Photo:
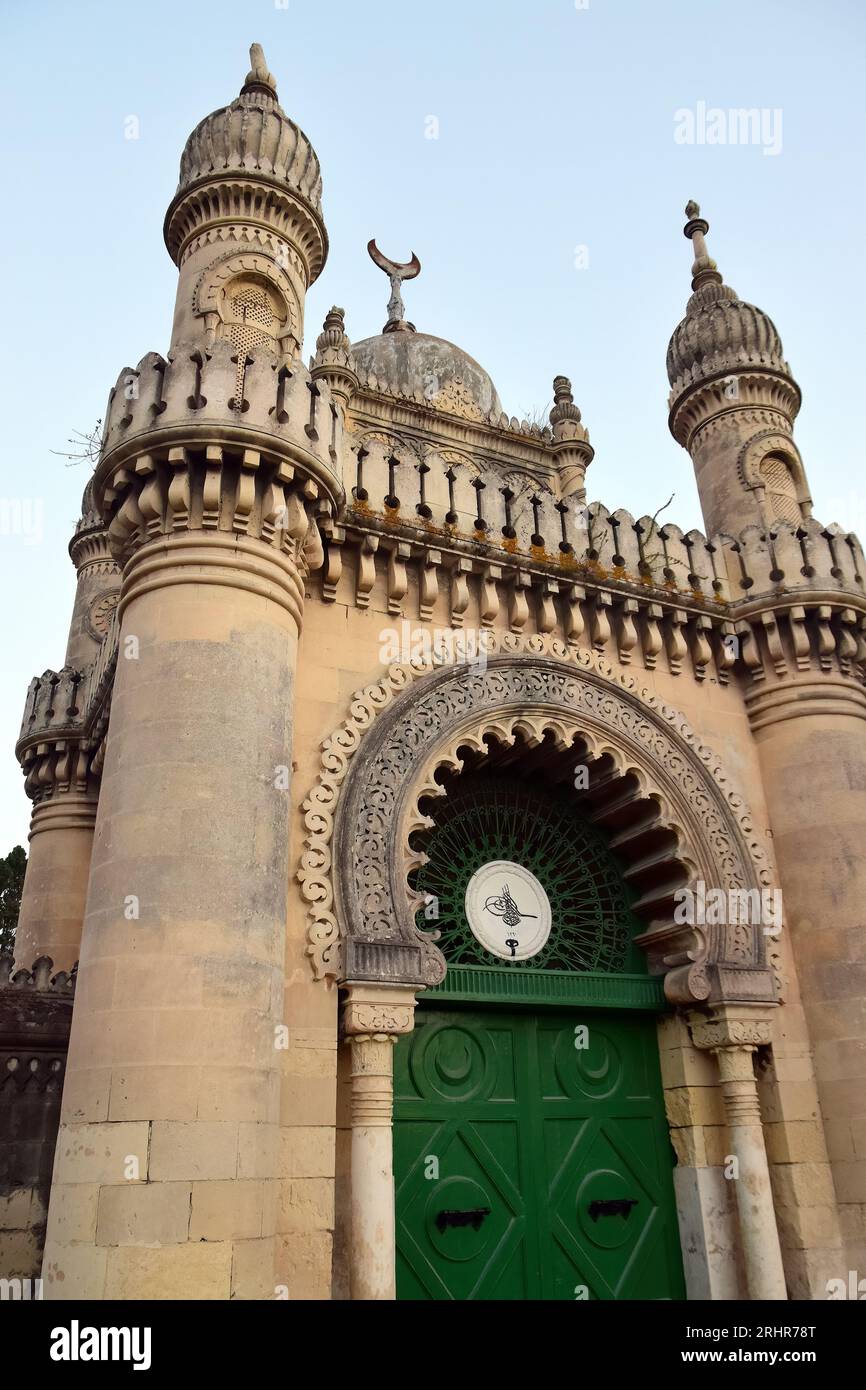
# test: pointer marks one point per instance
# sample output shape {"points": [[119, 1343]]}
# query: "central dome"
{"points": [[429, 370]]}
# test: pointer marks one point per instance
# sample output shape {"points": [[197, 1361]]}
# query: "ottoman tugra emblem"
{"points": [[505, 907]]}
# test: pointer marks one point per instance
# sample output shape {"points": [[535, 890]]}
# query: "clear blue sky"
{"points": [[556, 130]]}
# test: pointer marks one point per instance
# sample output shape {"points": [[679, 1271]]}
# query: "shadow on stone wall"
{"points": [[35, 1017]]}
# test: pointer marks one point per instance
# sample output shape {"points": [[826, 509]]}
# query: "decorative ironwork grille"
{"points": [[489, 817]]}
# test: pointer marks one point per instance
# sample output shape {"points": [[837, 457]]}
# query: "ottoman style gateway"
{"points": [[440, 887]]}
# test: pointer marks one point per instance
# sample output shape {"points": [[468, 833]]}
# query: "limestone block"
{"points": [[99, 1153], [15, 1209], [808, 1228], [694, 1105], [306, 1204], [73, 1210], [86, 1094], [258, 1150], [850, 1179], [19, 1254], [154, 1092], [253, 1274], [303, 1264], [229, 982], [74, 1271], [181, 1150], [795, 1142], [852, 1220], [200, 1271], [226, 1210], [239, 1093], [789, 1100], [307, 1152], [708, 1234], [306, 1100], [840, 1139], [146, 1214], [687, 1066], [802, 1184]]}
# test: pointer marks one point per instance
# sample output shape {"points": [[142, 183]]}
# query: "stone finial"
{"points": [[333, 336], [564, 414], [571, 448], [333, 359], [259, 78], [704, 271]]}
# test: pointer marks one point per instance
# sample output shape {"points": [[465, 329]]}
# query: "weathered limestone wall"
{"points": [[166, 1176]]}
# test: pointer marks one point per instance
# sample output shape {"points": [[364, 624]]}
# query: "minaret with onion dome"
{"points": [[217, 462], [733, 402]]}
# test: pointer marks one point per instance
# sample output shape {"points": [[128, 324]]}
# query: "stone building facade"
{"points": [[418, 829]]}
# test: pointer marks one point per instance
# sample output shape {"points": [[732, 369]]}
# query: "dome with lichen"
{"points": [[254, 136], [428, 370]]}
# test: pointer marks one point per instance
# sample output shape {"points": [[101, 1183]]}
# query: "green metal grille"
{"points": [[489, 817]]}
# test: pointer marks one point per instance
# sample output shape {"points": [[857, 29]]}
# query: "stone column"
{"points": [[374, 1016], [811, 740], [166, 1175], [55, 885], [734, 1042]]}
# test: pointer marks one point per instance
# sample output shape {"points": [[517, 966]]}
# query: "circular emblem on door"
{"points": [[507, 910]]}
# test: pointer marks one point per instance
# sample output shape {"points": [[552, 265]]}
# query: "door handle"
{"points": [[473, 1218], [612, 1206]]}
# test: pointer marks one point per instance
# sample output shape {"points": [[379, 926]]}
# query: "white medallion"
{"points": [[507, 910]]}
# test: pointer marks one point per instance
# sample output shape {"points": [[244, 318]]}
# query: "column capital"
{"points": [[732, 1029], [378, 1009]]}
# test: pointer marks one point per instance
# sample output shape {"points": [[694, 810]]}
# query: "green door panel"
{"points": [[499, 1116]]}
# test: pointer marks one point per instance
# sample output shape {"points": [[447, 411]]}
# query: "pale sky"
{"points": [[547, 213]]}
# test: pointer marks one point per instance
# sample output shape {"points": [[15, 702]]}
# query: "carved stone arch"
{"points": [[256, 268], [456, 458], [414, 721], [772, 445]]}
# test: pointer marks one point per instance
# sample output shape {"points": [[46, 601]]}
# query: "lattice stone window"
{"points": [[252, 314], [782, 504]]}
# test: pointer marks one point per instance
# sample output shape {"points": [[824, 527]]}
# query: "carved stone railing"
{"points": [[190, 397]]}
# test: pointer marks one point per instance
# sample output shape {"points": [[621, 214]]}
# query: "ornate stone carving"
{"points": [[724, 1032], [99, 615], [542, 684], [378, 1009]]}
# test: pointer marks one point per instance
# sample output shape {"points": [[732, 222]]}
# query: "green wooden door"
{"points": [[530, 1168]]}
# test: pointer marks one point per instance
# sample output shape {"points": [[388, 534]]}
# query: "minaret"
{"points": [[217, 461], [245, 226], [59, 776], [733, 403]]}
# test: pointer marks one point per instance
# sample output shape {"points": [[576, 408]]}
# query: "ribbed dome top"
{"points": [[253, 135], [721, 333]]}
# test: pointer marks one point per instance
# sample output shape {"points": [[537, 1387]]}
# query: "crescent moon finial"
{"points": [[397, 272]]}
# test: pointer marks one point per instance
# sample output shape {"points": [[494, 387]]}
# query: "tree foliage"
{"points": [[11, 885]]}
